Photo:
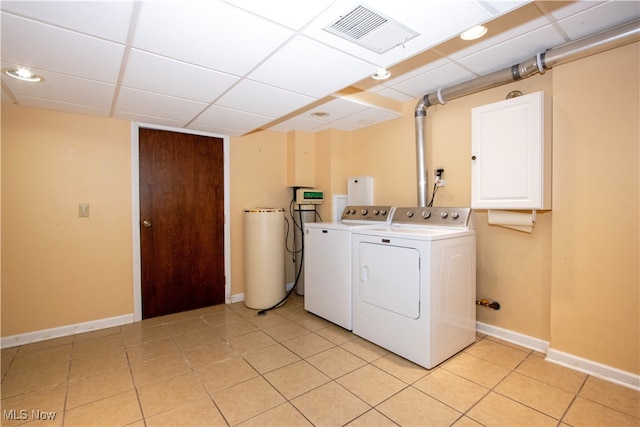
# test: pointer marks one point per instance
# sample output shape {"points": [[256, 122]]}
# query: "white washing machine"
{"points": [[327, 262], [414, 283]]}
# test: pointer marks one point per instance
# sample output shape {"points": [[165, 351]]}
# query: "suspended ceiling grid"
{"points": [[237, 66]]}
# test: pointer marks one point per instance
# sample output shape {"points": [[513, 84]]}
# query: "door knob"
{"points": [[146, 223]]}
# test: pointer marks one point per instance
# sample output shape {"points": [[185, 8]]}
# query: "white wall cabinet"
{"points": [[511, 154]]}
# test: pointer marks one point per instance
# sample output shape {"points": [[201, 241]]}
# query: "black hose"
{"points": [[263, 312]]}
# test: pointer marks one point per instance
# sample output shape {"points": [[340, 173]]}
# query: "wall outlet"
{"points": [[83, 210]]}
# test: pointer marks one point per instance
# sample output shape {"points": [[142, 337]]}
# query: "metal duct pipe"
{"points": [[596, 43]]}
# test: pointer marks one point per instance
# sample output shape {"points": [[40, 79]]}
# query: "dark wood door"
{"points": [[181, 221]]}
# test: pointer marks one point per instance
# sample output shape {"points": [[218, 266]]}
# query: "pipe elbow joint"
{"points": [[421, 106]]}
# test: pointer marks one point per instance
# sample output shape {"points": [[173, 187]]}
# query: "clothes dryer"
{"points": [[414, 283]]}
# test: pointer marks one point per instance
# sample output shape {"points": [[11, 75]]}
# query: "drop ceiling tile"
{"points": [[262, 99], [167, 76], [394, 94], [310, 68], [367, 118], [512, 51], [336, 109], [108, 20], [215, 130], [67, 107], [330, 125], [5, 97], [503, 6], [567, 8], [63, 88], [601, 17], [216, 117], [32, 44], [493, 40], [446, 75], [155, 105], [211, 34], [290, 13], [434, 21], [142, 119], [417, 72], [300, 123]]}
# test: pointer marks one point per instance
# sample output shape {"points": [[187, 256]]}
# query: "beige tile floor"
{"points": [[223, 365]]}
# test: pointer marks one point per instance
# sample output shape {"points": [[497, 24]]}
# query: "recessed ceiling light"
{"points": [[381, 74], [320, 114], [474, 33], [23, 74]]}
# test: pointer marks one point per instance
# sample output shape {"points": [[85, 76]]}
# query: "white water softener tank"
{"points": [[264, 257]]}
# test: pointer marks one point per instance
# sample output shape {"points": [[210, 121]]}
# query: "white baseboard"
{"points": [[596, 369], [588, 367], [237, 298], [240, 297], [63, 331], [513, 337]]}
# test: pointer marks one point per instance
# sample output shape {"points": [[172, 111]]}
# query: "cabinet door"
{"points": [[510, 151]]}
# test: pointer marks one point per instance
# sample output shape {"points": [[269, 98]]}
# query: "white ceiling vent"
{"points": [[371, 30]]}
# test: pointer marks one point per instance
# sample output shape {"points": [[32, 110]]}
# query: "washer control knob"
{"points": [[364, 211], [455, 215], [376, 212], [383, 212], [409, 214], [444, 214], [426, 214]]}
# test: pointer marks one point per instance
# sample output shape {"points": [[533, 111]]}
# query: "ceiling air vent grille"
{"points": [[371, 30]]}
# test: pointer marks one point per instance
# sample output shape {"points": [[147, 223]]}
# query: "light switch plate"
{"points": [[83, 210]]}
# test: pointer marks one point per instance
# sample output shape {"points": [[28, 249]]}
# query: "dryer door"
{"points": [[389, 278]]}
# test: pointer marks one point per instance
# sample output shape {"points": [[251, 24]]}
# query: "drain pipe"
{"points": [[600, 42]]}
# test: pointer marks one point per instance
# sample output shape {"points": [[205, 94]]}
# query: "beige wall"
{"points": [[595, 249], [59, 269], [331, 167], [387, 153], [574, 281], [258, 178]]}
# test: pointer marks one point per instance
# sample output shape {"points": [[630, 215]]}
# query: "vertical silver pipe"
{"points": [[421, 152]]}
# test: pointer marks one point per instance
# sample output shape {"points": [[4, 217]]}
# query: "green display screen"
{"points": [[313, 195]]}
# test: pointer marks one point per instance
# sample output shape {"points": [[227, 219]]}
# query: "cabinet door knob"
{"points": [[473, 157]]}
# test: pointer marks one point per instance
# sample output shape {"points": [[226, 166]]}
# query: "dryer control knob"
{"points": [[426, 214], [376, 212], [364, 211], [409, 214], [383, 212], [455, 215], [444, 214]]}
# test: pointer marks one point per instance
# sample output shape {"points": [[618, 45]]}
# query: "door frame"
{"points": [[135, 211]]}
